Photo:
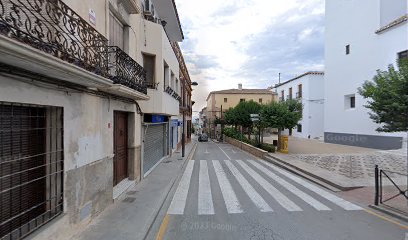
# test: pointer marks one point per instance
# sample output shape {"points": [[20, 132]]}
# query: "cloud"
{"points": [[249, 41]]}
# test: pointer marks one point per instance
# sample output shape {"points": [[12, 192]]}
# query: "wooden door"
{"points": [[120, 147]]}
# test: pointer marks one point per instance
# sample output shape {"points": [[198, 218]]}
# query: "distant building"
{"points": [[226, 99], [355, 47], [309, 89]]}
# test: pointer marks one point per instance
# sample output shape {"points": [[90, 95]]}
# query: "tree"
{"points": [[242, 114], [281, 115], [388, 98]]}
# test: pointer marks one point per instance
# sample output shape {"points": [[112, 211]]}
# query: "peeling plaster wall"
{"points": [[88, 147]]}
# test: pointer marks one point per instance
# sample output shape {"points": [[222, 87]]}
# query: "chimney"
{"points": [[240, 86]]}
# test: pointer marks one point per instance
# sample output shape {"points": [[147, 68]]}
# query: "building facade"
{"points": [[220, 101], [308, 88], [85, 107], [355, 47]]}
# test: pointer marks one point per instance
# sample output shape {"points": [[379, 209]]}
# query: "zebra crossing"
{"points": [[264, 174]]}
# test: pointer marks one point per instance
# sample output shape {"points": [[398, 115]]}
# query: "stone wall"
{"points": [[247, 147]]}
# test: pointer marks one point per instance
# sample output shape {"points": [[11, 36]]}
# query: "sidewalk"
{"points": [[132, 215]]}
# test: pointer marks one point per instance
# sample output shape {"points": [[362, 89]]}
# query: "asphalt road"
{"points": [[225, 193]]}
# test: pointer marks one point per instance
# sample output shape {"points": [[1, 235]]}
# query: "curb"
{"points": [[390, 212], [310, 176], [168, 189]]}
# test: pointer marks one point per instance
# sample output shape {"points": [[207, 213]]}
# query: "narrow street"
{"points": [[225, 193]]}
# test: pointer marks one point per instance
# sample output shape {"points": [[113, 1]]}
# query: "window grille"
{"points": [[31, 167]]}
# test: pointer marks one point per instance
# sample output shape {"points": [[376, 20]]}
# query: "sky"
{"points": [[250, 42]]}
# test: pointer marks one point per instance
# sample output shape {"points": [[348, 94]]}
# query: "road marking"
{"points": [[205, 202], [230, 199], [275, 193], [180, 197], [339, 201], [386, 219], [206, 150], [249, 190], [223, 151], [302, 195], [233, 151], [163, 228]]}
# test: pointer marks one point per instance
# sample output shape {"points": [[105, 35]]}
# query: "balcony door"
{"points": [[116, 32]]}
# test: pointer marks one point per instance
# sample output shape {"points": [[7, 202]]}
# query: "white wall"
{"points": [[157, 44], [312, 101], [369, 52]]}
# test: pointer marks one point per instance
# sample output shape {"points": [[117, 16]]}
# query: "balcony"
{"points": [[172, 93], [281, 99], [48, 38], [298, 95], [126, 71]]}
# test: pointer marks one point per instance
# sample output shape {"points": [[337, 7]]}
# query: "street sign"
{"points": [[254, 115]]}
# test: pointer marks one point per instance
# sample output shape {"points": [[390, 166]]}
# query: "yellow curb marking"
{"points": [[163, 227], [386, 219]]}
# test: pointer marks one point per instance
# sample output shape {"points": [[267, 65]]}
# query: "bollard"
{"points": [[376, 185]]}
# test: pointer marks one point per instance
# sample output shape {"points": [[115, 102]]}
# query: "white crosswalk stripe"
{"points": [[331, 197], [302, 195], [249, 190], [230, 179], [205, 202], [275, 193], [230, 198], [178, 203]]}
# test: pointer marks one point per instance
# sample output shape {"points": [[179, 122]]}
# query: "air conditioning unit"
{"points": [[147, 8]]}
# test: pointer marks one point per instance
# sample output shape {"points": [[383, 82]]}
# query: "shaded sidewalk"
{"points": [[131, 216]]}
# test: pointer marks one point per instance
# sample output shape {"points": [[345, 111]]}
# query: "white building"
{"points": [[361, 37], [309, 89]]}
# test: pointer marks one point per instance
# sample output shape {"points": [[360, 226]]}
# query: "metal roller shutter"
{"points": [[154, 146]]}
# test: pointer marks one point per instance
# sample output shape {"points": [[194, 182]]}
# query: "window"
{"points": [[149, 66], [403, 54], [282, 95], [347, 49], [260, 100], [290, 93], [299, 128], [116, 31], [225, 100], [32, 169], [299, 93], [166, 75], [242, 100], [350, 101]]}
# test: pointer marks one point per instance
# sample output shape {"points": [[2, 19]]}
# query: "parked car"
{"points": [[203, 138]]}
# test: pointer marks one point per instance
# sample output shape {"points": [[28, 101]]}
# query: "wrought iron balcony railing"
{"points": [[126, 71], [173, 93], [52, 27]]}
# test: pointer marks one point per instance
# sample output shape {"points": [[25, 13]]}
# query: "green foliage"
{"points": [[267, 147], [232, 133], [388, 98], [229, 117], [242, 111], [282, 115]]}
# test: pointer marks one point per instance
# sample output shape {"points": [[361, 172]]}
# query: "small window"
{"points": [[299, 128], [225, 100], [260, 100], [347, 49], [352, 102], [242, 100], [149, 66], [403, 54]]}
